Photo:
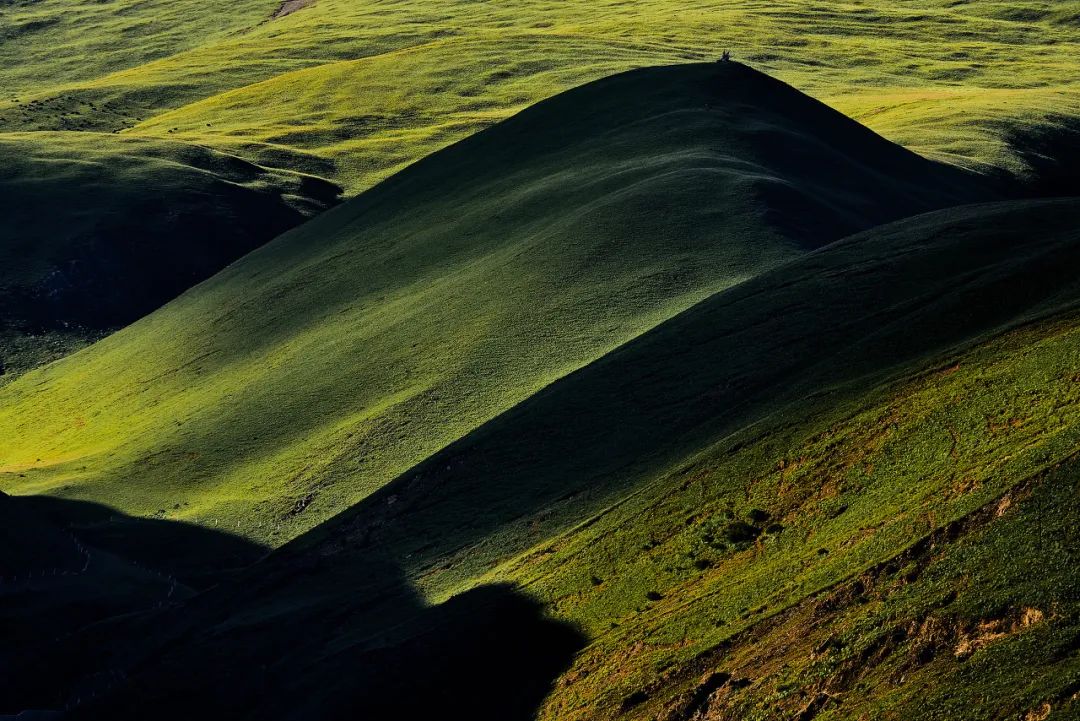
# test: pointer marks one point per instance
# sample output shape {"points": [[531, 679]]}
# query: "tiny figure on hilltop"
{"points": [[726, 57]]}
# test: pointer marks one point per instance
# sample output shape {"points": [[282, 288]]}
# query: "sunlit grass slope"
{"points": [[845, 489], [316, 369], [357, 90], [97, 234]]}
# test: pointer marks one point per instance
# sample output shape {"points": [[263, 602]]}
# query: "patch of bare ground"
{"points": [[1040, 713], [290, 6]]}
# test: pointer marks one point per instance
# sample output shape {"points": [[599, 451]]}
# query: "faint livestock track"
{"points": [[24, 580]]}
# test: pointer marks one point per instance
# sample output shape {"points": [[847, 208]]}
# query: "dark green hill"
{"points": [[99, 232], [318, 368], [845, 319]]}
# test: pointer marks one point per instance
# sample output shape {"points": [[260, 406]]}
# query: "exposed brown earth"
{"points": [[290, 6]]}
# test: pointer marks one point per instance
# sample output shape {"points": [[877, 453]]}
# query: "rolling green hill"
{"points": [[721, 519], [589, 416], [97, 235], [316, 369]]}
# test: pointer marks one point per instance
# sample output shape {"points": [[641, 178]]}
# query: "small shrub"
{"points": [[740, 532], [721, 535], [635, 699], [758, 516]]}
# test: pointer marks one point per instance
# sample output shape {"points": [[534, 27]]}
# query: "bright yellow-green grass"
{"points": [[356, 90], [316, 369]]}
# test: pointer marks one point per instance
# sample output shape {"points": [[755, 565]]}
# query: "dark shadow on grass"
{"points": [[117, 637], [335, 643], [111, 275], [1051, 150], [488, 655], [66, 566], [198, 556]]}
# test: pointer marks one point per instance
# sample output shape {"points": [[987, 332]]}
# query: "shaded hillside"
{"points": [[97, 236], [854, 313], [822, 492], [68, 566], [316, 369], [1050, 151]]}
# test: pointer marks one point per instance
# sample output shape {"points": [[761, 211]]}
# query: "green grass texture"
{"points": [[318, 368], [356, 91], [676, 396]]}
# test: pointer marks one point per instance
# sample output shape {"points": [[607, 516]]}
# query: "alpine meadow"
{"points": [[570, 361]]}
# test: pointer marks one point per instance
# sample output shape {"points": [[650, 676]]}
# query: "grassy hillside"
{"points": [[358, 90], [637, 404], [354, 92], [97, 235], [721, 520], [307, 375]]}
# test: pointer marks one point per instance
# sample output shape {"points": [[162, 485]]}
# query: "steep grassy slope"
{"points": [[739, 525], [96, 236], [359, 90], [318, 368]]}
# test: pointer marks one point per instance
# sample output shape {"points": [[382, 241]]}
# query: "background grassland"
{"points": [[586, 353], [355, 91]]}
